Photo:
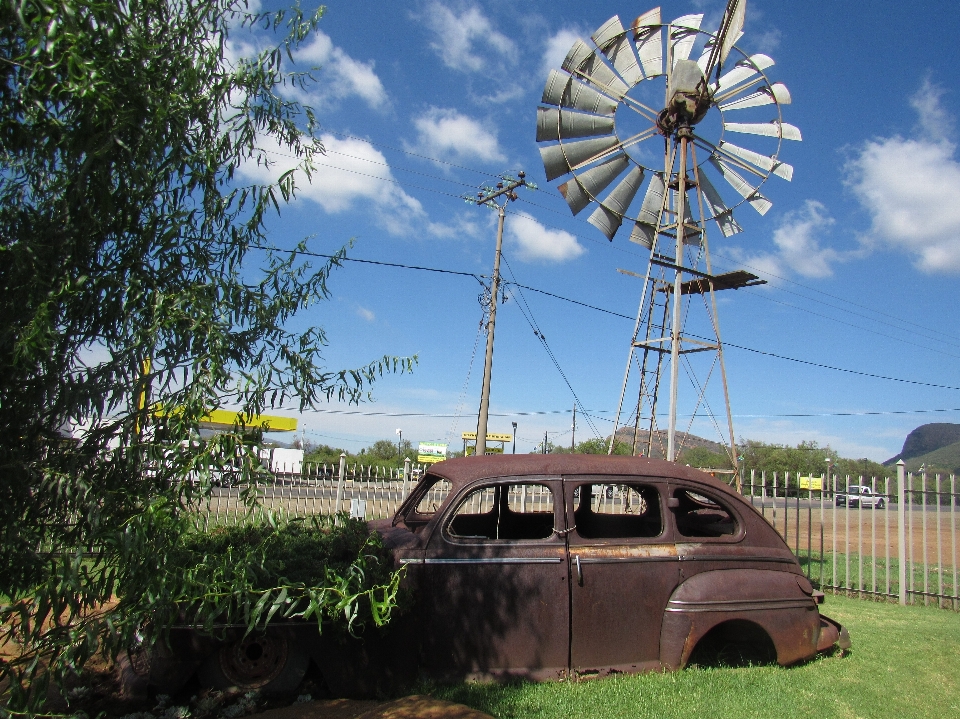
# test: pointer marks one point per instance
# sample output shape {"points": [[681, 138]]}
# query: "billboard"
{"points": [[431, 452], [814, 484]]}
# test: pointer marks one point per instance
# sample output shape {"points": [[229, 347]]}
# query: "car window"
{"points": [[435, 496], [609, 511], [698, 515], [505, 512]]}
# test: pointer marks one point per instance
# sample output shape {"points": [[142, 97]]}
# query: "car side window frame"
{"points": [[659, 485], [455, 503], [738, 536]]}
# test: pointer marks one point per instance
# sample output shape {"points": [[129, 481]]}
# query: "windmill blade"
{"points": [[732, 24], [649, 41], [612, 40], [563, 90], [765, 96], [588, 185], [774, 128], [747, 191], [558, 160], [683, 33], [583, 62], [609, 214], [645, 229], [742, 71], [722, 214], [770, 164], [704, 61], [552, 124]]}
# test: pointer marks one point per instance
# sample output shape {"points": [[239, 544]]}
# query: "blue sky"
{"points": [[422, 102]]}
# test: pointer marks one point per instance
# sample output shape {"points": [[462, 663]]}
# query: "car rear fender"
{"points": [[779, 602]]}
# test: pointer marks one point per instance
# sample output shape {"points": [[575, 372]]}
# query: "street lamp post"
{"points": [[514, 437], [399, 443]]}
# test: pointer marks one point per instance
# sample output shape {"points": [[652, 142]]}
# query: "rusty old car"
{"points": [[527, 566]]}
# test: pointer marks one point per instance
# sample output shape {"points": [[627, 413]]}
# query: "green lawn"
{"points": [[903, 664]]}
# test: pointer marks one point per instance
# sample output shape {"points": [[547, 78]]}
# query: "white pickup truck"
{"points": [[860, 495]]}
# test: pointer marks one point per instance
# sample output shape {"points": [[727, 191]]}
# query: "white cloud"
{"points": [[911, 188], [798, 242], [466, 41], [446, 133], [366, 314], [536, 242], [341, 76], [557, 47], [353, 171]]}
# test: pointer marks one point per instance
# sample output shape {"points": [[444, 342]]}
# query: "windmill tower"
{"points": [[629, 110]]}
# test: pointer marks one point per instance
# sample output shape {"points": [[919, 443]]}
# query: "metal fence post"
{"points": [[902, 529], [406, 477], [343, 472]]}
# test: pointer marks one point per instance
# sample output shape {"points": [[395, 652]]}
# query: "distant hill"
{"points": [[944, 459], [684, 441], [926, 439]]}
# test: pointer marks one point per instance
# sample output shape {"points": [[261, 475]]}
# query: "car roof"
{"points": [[462, 470]]}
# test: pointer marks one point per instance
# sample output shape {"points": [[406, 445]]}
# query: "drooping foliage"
{"points": [[135, 295]]}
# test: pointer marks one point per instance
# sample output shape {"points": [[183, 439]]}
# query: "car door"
{"points": [[624, 567], [493, 584]]}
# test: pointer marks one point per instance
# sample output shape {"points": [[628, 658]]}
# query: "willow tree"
{"points": [[134, 292]]}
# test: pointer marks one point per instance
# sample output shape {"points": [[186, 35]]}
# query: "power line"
{"points": [[626, 317]]}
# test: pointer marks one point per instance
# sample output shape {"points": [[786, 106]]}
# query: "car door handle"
{"points": [[576, 560]]}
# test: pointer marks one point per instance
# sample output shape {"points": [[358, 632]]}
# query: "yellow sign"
{"points": [[226, 419], [490, 450], [490, 437], [814, 484]]}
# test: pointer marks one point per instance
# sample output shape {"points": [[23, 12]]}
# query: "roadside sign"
{"points": [[490, 450], [490, 437], [431, 452], [814, 484]]}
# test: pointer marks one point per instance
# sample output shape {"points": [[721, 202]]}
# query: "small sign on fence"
{"points": [[431, 452], [814, 484], [358, 509]]}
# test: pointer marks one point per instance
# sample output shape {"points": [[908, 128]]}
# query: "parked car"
{"points": [[860, 495], [527, 569]]}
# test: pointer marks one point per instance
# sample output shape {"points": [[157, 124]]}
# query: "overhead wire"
{"points": [[528, 316], [619, 315]]}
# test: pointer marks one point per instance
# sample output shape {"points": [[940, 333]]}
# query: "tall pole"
{"points": [[573, 433], [514, 437], [683, 135], [491, 326], [503, 189]]}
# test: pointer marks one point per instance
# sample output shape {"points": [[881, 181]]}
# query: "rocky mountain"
{"points": [[935, 445], [684, 441]]}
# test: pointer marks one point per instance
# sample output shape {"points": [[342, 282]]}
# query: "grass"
{"points": [[812, 566], [902, 664]]}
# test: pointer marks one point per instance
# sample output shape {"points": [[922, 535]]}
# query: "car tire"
{"points": [[271, 662], [879, 504], [609, 492]]}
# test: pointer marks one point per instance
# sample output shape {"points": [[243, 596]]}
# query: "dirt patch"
{"points": [[412, 707]]}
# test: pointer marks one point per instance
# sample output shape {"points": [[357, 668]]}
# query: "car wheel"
{"points": [[270, 662], [879, 504], [609, 492]]}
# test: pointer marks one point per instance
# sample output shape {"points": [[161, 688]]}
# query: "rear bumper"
{"points": [[832, 633]]}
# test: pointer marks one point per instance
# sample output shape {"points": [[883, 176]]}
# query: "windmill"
{"points": [[617, 103]]}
